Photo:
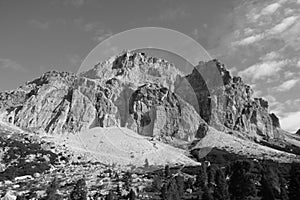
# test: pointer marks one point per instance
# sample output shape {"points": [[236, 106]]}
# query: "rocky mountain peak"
{"points": [[146, 94]]}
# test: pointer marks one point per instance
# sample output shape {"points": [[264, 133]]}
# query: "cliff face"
{"points": [[130, 90], [231, 105], [57, 103], [145, 94]]}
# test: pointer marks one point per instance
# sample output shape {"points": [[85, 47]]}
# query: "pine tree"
{"points": [[157, 183], [167, 171], [207, 194], [131, 195], [242, 181], [221, 189], [266, 189], [283, 191], [211, 172], [164, 191], [180, 185], [170, 191], [294, 191], [52, 191], [201, 179]]}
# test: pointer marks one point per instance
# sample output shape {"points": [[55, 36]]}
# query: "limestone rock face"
{"points": [[59, 102], [146, 94], [231, 103], [130, 90], [159, 112]]}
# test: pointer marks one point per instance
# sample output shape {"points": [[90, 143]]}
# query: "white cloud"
{"points": [[102, 34], [248, 31], [10, 64], [283, 25], [257, 93], [288, 74], [250, 40], [270, 56], [270, 9], [298, 63], [39, 24], [263, 70], [75, 3], [171, 14], [298, 2], [287, 85], [98, 29], [290, 121], [74, 59], [288, 11]]}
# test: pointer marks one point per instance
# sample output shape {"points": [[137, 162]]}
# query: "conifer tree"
{"points": [[221, 189], [266, 189], [294, 186], [242, 182]]}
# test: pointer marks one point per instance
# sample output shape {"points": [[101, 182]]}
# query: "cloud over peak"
{"points": [[283, 25], [10, 64], [270, 9], [287, 85], [249, 40], [263, 70]]}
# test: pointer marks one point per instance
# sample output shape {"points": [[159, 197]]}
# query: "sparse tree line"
{"points": [[240, 180]]}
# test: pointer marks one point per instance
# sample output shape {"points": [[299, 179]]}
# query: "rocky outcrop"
{"points": [[160, 112], [230, 104], [130, 90], [59, 102], [298, 132], [146, 94]]}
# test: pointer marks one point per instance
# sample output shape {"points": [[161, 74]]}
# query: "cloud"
{"points": [[10, 64], [39, 24], [101, 35], [263, 70], [287, 85], [249, 40], [257, 93], [288, 74], [75, 3], [248, 31], [74, 59], [98, 30], [298, 63], [270, 9], [285, 24], [290, 121], [170, 14], [270, 56]]}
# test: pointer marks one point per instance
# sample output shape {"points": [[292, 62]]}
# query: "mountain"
{"points": [[149, 96], [119, 123]]}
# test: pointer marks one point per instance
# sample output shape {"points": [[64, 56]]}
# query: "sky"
{"points": [[258, 40]]}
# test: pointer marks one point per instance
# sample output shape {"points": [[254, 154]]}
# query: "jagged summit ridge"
{"points": [[60, 102]]}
